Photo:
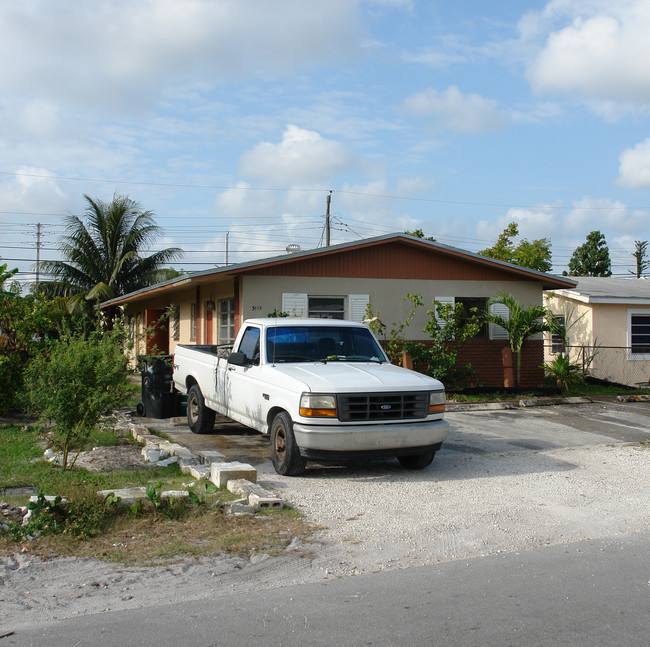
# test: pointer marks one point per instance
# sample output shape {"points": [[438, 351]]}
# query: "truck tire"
{"points": [[417, 461], [200, 419], [284, 450]]}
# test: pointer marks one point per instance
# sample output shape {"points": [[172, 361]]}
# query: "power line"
{"points": [[226, 187]]}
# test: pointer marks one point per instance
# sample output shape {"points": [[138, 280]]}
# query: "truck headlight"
{"points": [[436, 402], [317, 406]]}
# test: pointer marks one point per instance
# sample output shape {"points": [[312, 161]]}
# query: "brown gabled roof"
{"points": [[378, 257]]}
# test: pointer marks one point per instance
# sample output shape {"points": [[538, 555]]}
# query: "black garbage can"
{"points": [[158, 396]]}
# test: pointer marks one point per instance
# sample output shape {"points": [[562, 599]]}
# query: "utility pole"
{"points": [[38, 252], [227, 235], [327, 220]]}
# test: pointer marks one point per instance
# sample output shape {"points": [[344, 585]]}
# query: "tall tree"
{"points": [[104, 253], [534, 254], [641, 256], [591, 258], [418, 233], [520, 324]]}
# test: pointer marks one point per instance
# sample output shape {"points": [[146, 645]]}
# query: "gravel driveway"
{"points": [[505, 481]]}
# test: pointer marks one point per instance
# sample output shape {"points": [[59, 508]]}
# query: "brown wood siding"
{"points": [[391, 261]]}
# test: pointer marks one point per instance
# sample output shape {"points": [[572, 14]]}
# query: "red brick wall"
{"points": [[485, 357]]}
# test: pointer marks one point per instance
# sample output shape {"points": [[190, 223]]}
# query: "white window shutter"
{"points": [[452, 300], [497, 332], [357, 304], [295, 304]]}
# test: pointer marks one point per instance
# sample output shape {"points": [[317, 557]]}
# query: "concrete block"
{"points": [[174, 494], [128, 496], [200, 471], [211, 457], [146, 437], [242, 487], [150, 454], [186, 456], [221, 473], [169, 447], [168, 461], [238, 507], [49, 498], [256, 502]]}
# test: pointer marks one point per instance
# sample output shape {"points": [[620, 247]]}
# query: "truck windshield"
{"points": [[321, 344]]}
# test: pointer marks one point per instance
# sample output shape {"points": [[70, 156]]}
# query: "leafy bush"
{"points": [[448, 331], [74, 382], [564, 372], [25, 325]]}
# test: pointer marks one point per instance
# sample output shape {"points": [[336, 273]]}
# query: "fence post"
{"points": [[508, 371]]}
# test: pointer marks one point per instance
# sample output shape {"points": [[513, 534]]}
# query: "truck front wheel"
{"points": [[417, 461], [200, 419], [284, 450]]}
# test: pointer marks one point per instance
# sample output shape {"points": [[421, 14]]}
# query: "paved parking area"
{"points": [[548, 427], [471, 432]]}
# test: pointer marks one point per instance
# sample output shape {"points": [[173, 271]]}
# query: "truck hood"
{"points": [[357, 377]]}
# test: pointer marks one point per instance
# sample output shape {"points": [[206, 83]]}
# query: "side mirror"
{"points": [[238, 359]]}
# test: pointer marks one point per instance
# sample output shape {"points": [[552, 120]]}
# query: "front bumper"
{"points": [[385, 438]]}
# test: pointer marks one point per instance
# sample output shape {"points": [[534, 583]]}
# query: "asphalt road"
{"points": [[584, 591], [596, 593]]}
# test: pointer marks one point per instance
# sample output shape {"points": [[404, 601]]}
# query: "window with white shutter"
{"points": [[357, 305], [295, 304], [451, 300], [496, 331]]}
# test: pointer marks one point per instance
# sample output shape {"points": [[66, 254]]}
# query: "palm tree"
{"points": [[104, 254], [5, 275], [520, 324]]}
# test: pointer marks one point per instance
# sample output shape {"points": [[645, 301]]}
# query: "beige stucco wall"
{"points": [[261, 294], [604, 332], [183, 298]]}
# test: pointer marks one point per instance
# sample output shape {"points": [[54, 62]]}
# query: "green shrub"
{"points": [[563, 372], [74, 382]]}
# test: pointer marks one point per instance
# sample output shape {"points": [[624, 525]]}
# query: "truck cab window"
{"points": [[250, 344]]}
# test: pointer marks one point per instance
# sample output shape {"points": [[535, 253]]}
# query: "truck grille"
{"points": [[382, 406]]}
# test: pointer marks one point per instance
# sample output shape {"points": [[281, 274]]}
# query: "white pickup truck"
{"points": [[323, 389]]}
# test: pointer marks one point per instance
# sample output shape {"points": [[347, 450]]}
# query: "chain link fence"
{"points": [[610, 363]]}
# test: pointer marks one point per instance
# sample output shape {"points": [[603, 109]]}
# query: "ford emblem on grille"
{"points": [[385, 407]]}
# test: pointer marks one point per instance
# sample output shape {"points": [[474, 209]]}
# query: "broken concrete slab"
{"points": [[211, 456], [221, 473], [242, 487], [174, 494], [199, 471], [128, 496], [633, 398], [238, 507], [150, 454]]}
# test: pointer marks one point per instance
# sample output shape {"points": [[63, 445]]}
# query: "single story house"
{"points": [[608, 327], [341, 281]]}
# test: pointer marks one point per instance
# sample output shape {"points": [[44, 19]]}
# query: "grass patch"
{"points": [[153, 531]]}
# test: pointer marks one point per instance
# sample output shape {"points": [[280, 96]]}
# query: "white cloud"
{"points": [[634, 169], [592, 49], [603, 214], [302, 158], [122, 53], [453, 110]]}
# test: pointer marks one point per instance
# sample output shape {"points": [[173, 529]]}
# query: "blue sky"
{"points": [[239, 117]]}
